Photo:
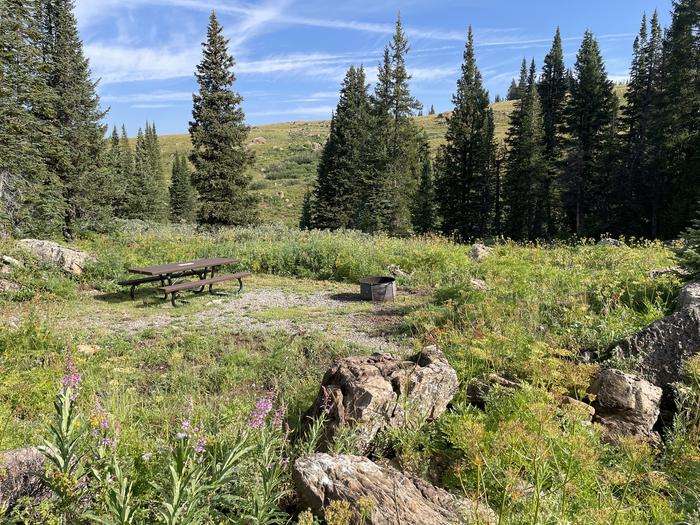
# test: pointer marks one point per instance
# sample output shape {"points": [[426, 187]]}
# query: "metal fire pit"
{"points": [[377, 288]]}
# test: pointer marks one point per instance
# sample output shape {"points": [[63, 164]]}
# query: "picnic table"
{"points": [[167, 274]]}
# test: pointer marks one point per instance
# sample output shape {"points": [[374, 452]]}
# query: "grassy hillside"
{"points": [[287, 155]]}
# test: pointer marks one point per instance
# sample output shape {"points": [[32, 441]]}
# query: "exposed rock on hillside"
{"points": [[611, 242], [479, 252], [689, 296], [626, 405], [8, 286], [376, 392], [68, 259], [19, 475], [398, 497], [659, 350]]}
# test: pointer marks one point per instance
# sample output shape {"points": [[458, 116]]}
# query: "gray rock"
{"points": [[689, 295], [478, 284], [610, 242], [68, 259], [626, 405], [8, 286], [667, 270], [376, 392], [398, 497], [479, 388], [19, 476], [659, 351], [11, 261], [479, 252]]}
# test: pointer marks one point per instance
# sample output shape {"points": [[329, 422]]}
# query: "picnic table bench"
{"points": [[167, 274]]}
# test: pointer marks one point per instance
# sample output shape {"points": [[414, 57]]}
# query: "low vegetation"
{"points": [[205, 417]]}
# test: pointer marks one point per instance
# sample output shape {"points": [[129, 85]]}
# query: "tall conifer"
{"points": [[218, 132], [183, 202]]}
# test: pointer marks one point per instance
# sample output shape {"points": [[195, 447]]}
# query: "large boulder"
{"points": [[398, 497], [20, 471], [689, 296], [68, 259], [659, 351], [479, 252], [376, 392], [626, 405]]}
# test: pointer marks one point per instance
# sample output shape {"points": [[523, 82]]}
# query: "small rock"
{"points": [[396, 271], [479, 388], [626, 405], [615, 243], [667, 270], [20, 471], [578, 405], [68, 259], [8, 286], [258, 140], [478, 284], [88, 350], [398, 497], [11, 261], [373, 393], [479, 252], [689, 296]]}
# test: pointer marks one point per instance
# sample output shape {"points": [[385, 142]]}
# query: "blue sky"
{"points": [[292, 54]]}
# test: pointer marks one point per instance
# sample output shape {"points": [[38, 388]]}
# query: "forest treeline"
{"points": [[576, 160], [58, 173]]}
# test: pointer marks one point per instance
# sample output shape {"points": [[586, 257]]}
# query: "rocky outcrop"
{"points": [[479, 252], [659, 351], [610, 242], [689, 296], [377, 392], [68, 259], [19, 476], [398, 497], [667, 270], [8, 286], [626, 405]]}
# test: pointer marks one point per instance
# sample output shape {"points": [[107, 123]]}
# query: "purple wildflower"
{"points": [[263, 407], [199, 447], [277, 419], [185, 425], [72, 377]]}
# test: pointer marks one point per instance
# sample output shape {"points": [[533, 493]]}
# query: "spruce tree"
{"points": [[183, 202], [676, 124], [157, 188], [465, 163], [689, 256], [524, 185], [424, 207], [128, 188], [513, 91], [432, 110], [589, 115], [338, 192], [31, 200], [553, 86], [219, 134], [306, 218], [78, 153]]}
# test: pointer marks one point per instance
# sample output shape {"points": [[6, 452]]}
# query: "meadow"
{"points": [[234, 374]]}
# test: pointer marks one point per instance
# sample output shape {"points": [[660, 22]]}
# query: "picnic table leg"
{"points": [[202, 275]]}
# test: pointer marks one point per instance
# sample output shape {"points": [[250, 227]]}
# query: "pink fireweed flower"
{"points": [[277, 419], [72, 378], [185, 425], [263, 407]]}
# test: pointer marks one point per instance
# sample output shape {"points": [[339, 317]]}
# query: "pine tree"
{"points": [[432, 110], [639, 181], [424, 207], [157, 188], [183, 202], [218, 134], [465, 163], [513, 92], [690, 255], [524, 185], [78, 153], [338, 192], [128, 187], [31, 201], [306, 218], [589, 115], [497, 99], [553, 87], [119, 177], [676, 124]]}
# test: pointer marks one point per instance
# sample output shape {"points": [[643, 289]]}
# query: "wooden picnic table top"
{"points": [[171, 268]]}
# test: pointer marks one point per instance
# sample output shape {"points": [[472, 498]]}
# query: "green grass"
{"points": [[529, 459]]}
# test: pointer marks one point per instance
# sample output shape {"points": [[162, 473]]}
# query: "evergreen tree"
{"points": [[589, 115], [78, 153], [432, 110], [218, 134], [157, 189], [524, 186], [128, 188], [690, 255], [31, 200], [552, 90], [306, 218], [183, 202], [338, 192], [146, 192], [497, 99], [676, 124], [639, 181], [424, 207], [465, 163], [513, 92]]}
